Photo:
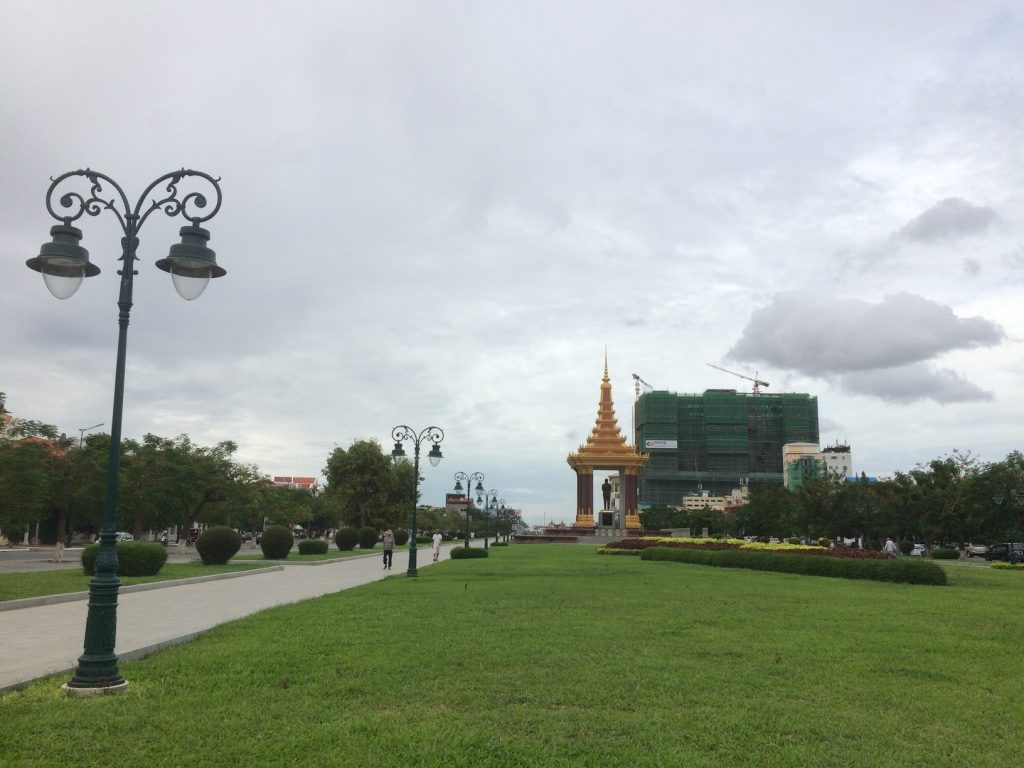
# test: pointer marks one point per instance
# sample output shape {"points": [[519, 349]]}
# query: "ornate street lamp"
{"points": [[459, 477], [490, 501], [1011, 497], [64, 264], [401, 434]]}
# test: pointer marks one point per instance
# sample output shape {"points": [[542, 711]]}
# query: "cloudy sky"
{"points": [[442, 213]]}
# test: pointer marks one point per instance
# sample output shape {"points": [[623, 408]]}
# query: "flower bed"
{"points": [[639, 544]]}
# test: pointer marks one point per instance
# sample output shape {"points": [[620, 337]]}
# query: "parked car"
{"points": [[918, 551], [1002, 551], [976, 550], [124, 536]]}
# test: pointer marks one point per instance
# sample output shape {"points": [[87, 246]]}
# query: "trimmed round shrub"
{"points": [[346, 538], [401, 537], [945, 553], [313, 547], [134, 558], [218, 544], [468, 553], [906, 546], [793, 540], [499, 544], [823, 542], [276, 542], [367, 538]]}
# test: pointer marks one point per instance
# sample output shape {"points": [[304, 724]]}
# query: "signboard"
{"points": [[661, 444]]}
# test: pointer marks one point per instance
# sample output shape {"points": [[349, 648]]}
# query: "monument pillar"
{"points": [[584, 498]]}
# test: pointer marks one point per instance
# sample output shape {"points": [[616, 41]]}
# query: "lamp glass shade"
{"points": [[190, 283], [191, 263], [62, 262], [398, 455], [458, 486], [435, 455], [63, 280]]}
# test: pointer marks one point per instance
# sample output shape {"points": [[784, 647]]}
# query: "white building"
{"points": [[838, 461]]}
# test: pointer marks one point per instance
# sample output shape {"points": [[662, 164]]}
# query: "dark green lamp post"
{"points": [[490, 501], [459, 478], [1011, 497], [402, 434], [64, 264]]}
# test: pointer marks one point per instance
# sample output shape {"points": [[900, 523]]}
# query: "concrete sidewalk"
{"points": [[47, 639]]}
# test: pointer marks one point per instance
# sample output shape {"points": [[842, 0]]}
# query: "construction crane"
{"points": [[757, 382], [637, 381]]}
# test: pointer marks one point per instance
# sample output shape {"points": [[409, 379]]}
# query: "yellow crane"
{"points": [[758, 383]]}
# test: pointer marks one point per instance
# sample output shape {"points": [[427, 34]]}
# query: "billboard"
{"points": [[660, 444]]}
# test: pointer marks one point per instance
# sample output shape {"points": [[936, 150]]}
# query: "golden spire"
{"points": [[606, 438]]}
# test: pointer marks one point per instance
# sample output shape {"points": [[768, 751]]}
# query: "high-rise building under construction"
{"points": [[718, 440]]}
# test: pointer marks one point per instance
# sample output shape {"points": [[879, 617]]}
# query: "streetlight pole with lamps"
{"points": [[67, 527], [401, 434], [1010, 496], [490, 501], [459, 478], [64, 264]]}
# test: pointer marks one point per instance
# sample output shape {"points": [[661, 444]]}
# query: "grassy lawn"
{"points": [[553, 656], [14, 586]]}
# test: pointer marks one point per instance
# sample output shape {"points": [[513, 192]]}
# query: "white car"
{"points": [[918, 551], [124, 536]]}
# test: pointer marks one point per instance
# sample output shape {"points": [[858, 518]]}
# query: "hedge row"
{"points": [[313, 547], [900, 570], [464, 553], [134, 558]]}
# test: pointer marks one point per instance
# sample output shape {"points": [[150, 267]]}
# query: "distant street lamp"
{"points": [[1011, 497], [490, 501], [81, 440], [402, 434], [64, 264], [459, 477]]}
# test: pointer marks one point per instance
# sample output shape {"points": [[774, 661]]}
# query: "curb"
{"points": [[68, 597]]}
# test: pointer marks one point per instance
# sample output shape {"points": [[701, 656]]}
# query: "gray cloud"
{"points": [[875, 349], [908, 383], [948, 219]]}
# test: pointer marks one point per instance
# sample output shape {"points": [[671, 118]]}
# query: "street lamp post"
{"points": [[67, 527], [490, 501], [401, 434], [459, 478], [1011, 497], [64, 264]]}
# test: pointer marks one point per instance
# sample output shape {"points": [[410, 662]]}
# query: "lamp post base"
{"points": [[106, 690]]}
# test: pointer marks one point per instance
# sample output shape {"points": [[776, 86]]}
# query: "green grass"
{"points": [[14, 586], [553, 656]]}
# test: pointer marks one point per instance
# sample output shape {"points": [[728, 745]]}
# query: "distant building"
{"points": [[457, 502], [804, 453], [718, 440], [300, 483], [737, 498], [838, 461]]}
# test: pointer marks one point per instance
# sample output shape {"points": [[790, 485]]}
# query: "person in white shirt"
{"points": [[437, 545]]}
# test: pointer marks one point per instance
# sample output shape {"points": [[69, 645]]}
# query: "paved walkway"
{"points": [[47, 639]]}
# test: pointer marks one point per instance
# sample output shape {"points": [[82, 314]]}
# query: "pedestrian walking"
{"points": [[437, 545], [389, 548], [890, 546]]}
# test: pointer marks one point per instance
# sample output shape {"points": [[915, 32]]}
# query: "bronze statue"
{"points": [[606, 491]]}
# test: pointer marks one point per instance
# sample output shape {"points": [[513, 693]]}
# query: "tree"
{"points": [[24, 484], [365, 485]]}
